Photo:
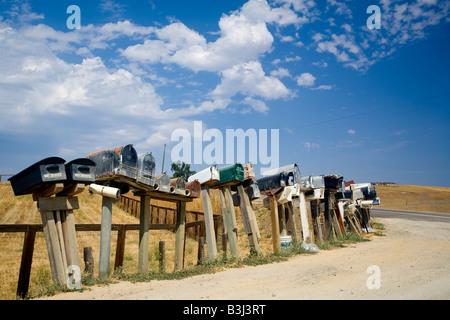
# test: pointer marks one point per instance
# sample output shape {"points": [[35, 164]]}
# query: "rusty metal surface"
{"points": [[195, 188]]}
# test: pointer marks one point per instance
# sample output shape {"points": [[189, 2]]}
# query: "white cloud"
{"points": [[351, 131], [249, 79], [310, 146], [257, 105], [323, 87], [306, 80]]}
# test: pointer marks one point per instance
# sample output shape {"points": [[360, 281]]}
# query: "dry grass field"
{"points": [[415, 198], [22, 210]]}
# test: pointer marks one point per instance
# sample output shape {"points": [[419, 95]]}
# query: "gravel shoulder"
{"points": [[413, 258]]}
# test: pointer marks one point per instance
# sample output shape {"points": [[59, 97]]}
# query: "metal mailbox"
{"points": [[121, 161], [253, 192], [370, 193], [291, 171], [207, 176], [312, 182], [194, 188], [230, 175], [80, 170], [179, 185], [162, 182], [38, 176], [277, 180], [146, 166], [333, 181]]}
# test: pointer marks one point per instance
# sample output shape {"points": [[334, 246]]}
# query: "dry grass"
{"points": [[415, 198]]}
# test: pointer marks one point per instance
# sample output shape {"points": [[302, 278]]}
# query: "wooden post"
{"points": [[53, 248], [228, 224], [105, 238], [315, 211], [201, 250], [290, 223], [162, 257], [307, 237], [209, 223], [180, 235], [144, 227], [88, 261], [249, 220], [282, 219], [276, 242], [27, 259], [120, 247]]}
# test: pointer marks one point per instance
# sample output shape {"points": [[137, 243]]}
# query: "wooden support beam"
{"points": [[120, 247], [209, 223], [290, 221], [144, 227], [27, 259], [180, 234], [276, 242], [228, 223], [105, 238], [249, 220]]}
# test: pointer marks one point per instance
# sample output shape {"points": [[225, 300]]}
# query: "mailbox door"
{"points": [[80, 170], [146, 169], [39, 175]]}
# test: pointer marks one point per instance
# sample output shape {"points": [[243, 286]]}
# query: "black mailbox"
{"points": [[333, 181], [146, 169], [273, 181], [80, 170], [121, 161], [39, 176], [369, 193]]}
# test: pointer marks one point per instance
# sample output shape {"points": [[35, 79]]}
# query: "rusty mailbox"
{"points": [[39, 176], [121, 161], [194, 188], [146, 166], [179, 186]]}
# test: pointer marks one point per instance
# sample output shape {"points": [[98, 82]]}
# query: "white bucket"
{"points": [[285, 241]]}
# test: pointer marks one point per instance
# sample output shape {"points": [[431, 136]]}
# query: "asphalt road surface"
{"points": [[411, 215]]}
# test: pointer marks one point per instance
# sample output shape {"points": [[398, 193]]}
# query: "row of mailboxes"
{"points": [[49, 171]]}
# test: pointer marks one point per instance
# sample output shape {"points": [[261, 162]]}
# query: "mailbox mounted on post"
{"points": [[179, 185], [121, 161], [333, 181], [230, 175], [39, 176], [163, 183], [146, 169], [249, 172], [207, 176], [312, 182], [80, 170], [253, 192], [291, 171], [194, 188]]}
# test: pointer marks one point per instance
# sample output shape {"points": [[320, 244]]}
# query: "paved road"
{"points": [[411, 215]]}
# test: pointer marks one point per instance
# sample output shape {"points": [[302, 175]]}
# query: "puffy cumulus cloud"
{"points": [[249, 79], [306, 80]]}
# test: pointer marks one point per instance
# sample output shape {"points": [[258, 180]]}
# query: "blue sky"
{"points": [[371, 105]]}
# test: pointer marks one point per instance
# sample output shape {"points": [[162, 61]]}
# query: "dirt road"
{"points": [[413, 260]]}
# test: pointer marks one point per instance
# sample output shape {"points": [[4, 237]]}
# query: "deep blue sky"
{"points": [[371, 105]]}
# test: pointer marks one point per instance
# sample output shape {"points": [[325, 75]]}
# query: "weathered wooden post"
{"points": [[105, 238], [144, 228], [229, 176], [88, 262], [206, 178], [162, 256]]}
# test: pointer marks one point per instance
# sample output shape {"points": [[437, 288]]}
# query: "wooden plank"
{"points": [[276, 242], [290, 221], [180, 236], [53, 248], [72, 238], [307, 237], [57, 203], [228, 224], [120, 247], [209, 223], [62, 245], [144, 227], [229, 198], [248, 216], [105, 238], [49, 191], [162, 256], [88, 261], [27, 259]]}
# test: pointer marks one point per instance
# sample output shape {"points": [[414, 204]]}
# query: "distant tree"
{"points": [[181, 169]]}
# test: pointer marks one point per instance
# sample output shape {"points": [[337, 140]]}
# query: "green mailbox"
{"points": [[230, 175]]}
